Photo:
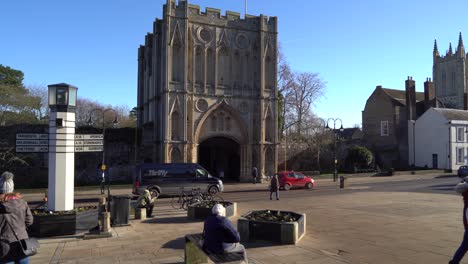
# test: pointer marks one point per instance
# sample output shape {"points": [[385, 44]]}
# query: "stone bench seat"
{"points": [[195, 254]]}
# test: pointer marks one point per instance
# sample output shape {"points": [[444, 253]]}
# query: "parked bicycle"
{"points": [[186, 198]]}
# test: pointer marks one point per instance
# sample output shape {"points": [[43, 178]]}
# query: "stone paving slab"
{"points": [[357, 227]]}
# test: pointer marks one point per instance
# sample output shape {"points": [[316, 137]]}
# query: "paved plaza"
{"points": [[357, 225]]}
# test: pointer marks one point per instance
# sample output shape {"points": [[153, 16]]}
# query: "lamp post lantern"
{"points": [[61, 175], [335, 161], [103, 163]]}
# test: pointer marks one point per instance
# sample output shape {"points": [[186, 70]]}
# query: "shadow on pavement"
{"points": [[446, 176], [168, 220], [259, 244], [178, 243], [443, 187]]}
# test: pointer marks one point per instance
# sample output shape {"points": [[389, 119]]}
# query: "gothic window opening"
{"points": [[220, 122], [175, 126], [199, 66], [211, 64], [269, 129], [213, 123], [176, 156], [228, 123], [177, 65], [223, 67], [444, 83], [453, 83]]}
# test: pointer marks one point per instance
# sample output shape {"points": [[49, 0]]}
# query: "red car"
{"points": [[292, 179]]}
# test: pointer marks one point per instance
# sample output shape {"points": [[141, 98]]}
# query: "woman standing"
{"points": [[274, 186], [14, 217]]}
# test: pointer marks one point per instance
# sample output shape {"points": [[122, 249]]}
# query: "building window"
{"points": [[384, 128], [460, 134], [460, 155]]}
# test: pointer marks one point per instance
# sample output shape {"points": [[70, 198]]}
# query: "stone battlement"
{"points": [[209, 11]]}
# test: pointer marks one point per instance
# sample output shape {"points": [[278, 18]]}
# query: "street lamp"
{"points": [[103, 164], [335, 161]]}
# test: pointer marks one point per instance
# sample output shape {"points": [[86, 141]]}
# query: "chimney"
{"points": [[429, 94], [410, 88]]}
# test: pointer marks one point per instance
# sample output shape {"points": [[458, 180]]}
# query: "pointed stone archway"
{"points": [[222, 143], [220, 154]]}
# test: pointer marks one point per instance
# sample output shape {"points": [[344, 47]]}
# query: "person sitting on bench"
{"points": [[220, 236], [146, 201]]}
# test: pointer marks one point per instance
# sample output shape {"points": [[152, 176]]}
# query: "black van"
{"points": [[171, 178]]}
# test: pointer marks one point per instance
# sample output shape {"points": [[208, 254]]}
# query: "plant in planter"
{"points": [[274, 226], [59, 223], [201, 210]]}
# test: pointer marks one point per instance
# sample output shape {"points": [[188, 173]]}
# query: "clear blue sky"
{"points": [[353, 45]]}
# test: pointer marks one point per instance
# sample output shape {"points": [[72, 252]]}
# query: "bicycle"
{"points": [[185, 198], [180, 201], [206, 196]]}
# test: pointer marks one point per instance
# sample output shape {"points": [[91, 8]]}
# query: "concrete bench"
{"points": [[194, 253], [140, 213]]}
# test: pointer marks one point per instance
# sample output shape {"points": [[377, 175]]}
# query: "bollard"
{"points": [[102, 204], [105, 222], [140, 213], [342, 182]]}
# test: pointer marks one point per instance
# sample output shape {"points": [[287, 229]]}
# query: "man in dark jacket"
{"points": [[220, 235], [274, 186], [462, 188], [254, 175]]}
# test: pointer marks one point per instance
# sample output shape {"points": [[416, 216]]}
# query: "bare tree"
{"points": [[307, 88], [124, 118], [316, 136], [285, 84], [83, 110]]}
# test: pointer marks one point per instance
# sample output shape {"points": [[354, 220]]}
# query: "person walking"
{"points": [[274, 186], [6, 182], [462, 188], [103, 181], [146, 201], [254, 175], [15, 215], [220, 235]]}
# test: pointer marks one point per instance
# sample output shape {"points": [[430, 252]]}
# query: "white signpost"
{"points": [[89, 143], [28, 142]]}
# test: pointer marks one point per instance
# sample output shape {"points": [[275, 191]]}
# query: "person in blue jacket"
{"points": [[220, 235]]}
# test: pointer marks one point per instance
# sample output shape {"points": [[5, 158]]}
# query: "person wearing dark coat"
{"points": [[254, 175], [220, 236], [274, 186], [462, 188], [16, 211]]}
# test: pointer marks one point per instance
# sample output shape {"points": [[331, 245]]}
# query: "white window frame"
{"points": [[460, 134], [460, 156], [384, 128]]}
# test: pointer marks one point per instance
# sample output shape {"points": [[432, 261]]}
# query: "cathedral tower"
{"points": [[450, 74]]}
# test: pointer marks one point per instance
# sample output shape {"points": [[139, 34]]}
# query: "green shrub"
{"points": [[358, 158]]}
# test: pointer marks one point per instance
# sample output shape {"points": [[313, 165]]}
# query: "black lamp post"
{"points": [[335, 161], [103, 164]]}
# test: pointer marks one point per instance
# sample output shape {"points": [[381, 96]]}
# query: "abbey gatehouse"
{"points": [[207, 90]]}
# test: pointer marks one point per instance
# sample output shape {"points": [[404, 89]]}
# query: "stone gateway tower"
{"points": [[450, 75], [207, 90]]}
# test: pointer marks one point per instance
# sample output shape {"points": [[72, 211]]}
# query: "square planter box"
{"points": [[201, 213], [54, 225], [279, 232], [87, 220]]}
